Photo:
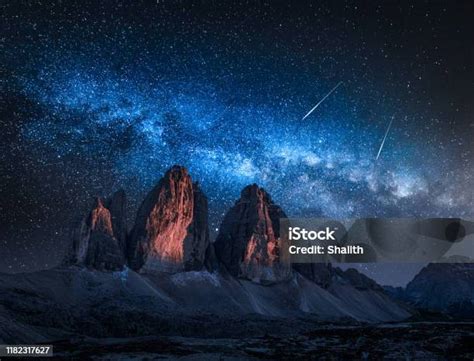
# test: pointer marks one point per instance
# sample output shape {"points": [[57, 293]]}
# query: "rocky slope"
{"points": [[59, 303], [248, 243], [171, 229]]}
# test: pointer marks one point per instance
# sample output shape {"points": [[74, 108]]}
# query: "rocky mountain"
{"points": [[171, 229], [443, 287], [356, 279], [326, 276], [248, 243], [200, 287], [98, 240]]}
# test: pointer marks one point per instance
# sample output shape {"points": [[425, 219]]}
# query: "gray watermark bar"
{"points": [[377, 240], [26, 351]]}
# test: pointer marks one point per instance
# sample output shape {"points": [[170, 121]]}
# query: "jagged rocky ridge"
{"points": [[441, 287], [171, 234], [170, 237]]}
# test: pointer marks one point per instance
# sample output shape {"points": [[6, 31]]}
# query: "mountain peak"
{"points": [[96, 242], [100, 219], [253, 191], [167, 235], [177, 171], [248, 243]]}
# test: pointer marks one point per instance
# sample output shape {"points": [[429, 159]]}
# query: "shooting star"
{"points": [[385, 137], [324, 98]]}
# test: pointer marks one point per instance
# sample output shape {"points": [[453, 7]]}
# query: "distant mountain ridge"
{"points": [[441, 287]]}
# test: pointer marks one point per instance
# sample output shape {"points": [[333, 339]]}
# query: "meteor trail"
{"points": [[324, 98], [385, 137]]}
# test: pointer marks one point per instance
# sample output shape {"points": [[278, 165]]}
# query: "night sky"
{"points": [[99, 95]]}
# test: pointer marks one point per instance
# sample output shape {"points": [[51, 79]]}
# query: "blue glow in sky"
{"points": [[324, 164]]}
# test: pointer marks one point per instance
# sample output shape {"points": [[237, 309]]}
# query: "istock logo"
{"points": [[297, 233]]}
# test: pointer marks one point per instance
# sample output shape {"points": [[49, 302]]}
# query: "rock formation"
{"points": [[355, 278], [248, 243], [444, 287], [171, 229], [99, 239]]}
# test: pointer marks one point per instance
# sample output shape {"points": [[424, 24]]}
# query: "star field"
{"points": [[102, 96]]}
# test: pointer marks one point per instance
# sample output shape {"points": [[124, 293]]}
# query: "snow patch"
{"points": [[122, 275]]}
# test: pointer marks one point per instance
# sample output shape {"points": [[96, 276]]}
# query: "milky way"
{"points": [[101, 98]]}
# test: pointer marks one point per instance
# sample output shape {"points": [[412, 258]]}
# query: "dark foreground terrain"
{"points": [[400, 341], [92, 315]]}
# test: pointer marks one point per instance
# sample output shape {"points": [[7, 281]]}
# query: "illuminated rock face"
{"points": [[100, 219], [171, 230], [248, 243], [96, 243]]}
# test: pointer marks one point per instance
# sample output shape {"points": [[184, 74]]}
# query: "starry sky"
{"points": [[106, 95]]}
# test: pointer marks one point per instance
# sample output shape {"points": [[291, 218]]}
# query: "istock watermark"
{"points": [[370, 240]]}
